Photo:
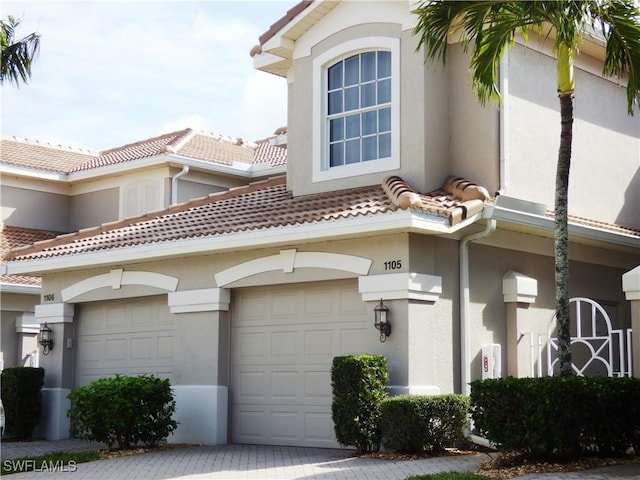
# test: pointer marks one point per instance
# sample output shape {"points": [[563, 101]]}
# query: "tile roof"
{"points": [[42, 156], [208, 147], [15, 237], [610, 227], [258, 206], [290, 15]]}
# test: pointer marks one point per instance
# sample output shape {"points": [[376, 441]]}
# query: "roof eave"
{"points": [[21, 289], [400, 221], [584, 234], [277, 47]]}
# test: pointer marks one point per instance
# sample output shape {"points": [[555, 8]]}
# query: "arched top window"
{"points": [[356, 110], [359, 108]]}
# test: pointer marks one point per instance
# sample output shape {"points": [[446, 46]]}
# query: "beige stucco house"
{"points": [[399, 187]]}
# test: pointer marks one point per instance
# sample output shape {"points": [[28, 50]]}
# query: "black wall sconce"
{"points": [[46, 339], [382, 321]]}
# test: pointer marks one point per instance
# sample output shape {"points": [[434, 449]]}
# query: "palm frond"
{"points": [[619, 21], [16, 56]]}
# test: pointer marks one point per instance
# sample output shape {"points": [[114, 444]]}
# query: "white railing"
{"points": [[31, 359], [612, 349]]}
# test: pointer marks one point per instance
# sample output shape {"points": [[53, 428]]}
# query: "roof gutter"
{"points": [[22, 289], [399, 221], [544, 223]]}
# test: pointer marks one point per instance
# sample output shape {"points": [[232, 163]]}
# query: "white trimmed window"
{"points": [[356, 109], [140, 197]]}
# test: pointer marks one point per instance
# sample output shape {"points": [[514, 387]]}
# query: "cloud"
{"points": [[111, 71]]}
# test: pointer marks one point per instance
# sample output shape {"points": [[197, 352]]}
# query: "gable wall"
{"points": [[424, 136], [93, 209], [28, 208], [605, 167]]}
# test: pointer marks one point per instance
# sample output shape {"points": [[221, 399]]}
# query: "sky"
{"points": [[116, 72]]}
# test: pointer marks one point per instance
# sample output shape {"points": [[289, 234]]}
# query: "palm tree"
{"points": [[486, 28], [17, 56]]}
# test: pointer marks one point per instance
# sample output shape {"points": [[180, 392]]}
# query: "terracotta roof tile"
{"points": [[274, 155], [14, 237], [258, 206], [290, 15], [611, 227], [208, 147], [42, 156], [134, 151], [217, 149]]}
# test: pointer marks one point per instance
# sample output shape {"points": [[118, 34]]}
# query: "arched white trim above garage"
{"points": [[288, 260], [117, 278]]}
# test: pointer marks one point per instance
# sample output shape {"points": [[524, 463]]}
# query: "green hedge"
{"points": [[359, 384], [558, 416], [417, 423], [21, 395], [123, 411]]}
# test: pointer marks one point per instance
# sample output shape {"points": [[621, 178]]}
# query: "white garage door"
{"points": [[129, 337], [283, 343]]}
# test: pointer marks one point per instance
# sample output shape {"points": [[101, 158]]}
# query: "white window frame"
{"points": [[148, 197], [321, 170]]}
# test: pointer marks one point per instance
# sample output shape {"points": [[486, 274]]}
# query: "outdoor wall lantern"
{"points": [[46, 339], [382, 321]]}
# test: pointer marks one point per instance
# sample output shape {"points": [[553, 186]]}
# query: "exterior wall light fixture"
{"points": [[382, 321], [46, 339]]}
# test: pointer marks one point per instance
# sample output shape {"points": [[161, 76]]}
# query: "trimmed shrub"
{"points": [[21, 395], [417, 423], [359, 384], [558, 416], [123, 411]]}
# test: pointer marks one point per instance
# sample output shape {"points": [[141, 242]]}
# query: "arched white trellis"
{"points": [[595, 332], [118, 277]]}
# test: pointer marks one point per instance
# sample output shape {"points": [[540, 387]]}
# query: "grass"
{"points": [[50, 462], [448, 476]]}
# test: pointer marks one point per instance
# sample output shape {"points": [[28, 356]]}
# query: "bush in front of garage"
{"points": [[123, 411], [359, 385], [419, 423], [21, 395]]}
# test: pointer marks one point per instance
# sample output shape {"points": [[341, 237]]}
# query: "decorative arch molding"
{"points": [[116, 279], [288, 260]]}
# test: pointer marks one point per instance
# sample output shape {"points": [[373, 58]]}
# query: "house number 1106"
{"points": [[393, 265]]}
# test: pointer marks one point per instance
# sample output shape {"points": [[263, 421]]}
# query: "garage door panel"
{"points": [[132, 337], [283, 342], [284, 425]]}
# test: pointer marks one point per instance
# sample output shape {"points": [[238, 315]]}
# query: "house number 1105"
{"points": [[393, 265]]}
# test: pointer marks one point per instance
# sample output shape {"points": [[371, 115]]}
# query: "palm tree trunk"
{"points": [[562, 235]]}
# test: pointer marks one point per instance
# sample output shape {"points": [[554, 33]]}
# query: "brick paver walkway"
{"points": [[251, 462]]}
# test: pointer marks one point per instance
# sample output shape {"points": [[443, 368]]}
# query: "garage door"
{"points": [[283, 343], [129, 337]]}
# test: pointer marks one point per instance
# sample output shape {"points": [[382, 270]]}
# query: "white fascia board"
{"points": [[544, 223], [32, 173], [24, 289], [264, 60], [399, 221], [238, 169]]}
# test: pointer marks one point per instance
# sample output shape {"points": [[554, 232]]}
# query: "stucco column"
{"points": [[519, 293], [631, 288], [202, 340], [414, 296], [58, 366]]}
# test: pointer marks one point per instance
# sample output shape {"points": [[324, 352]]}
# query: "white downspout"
{"points": [[465, 367], [174, 183], [504, 123]]}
